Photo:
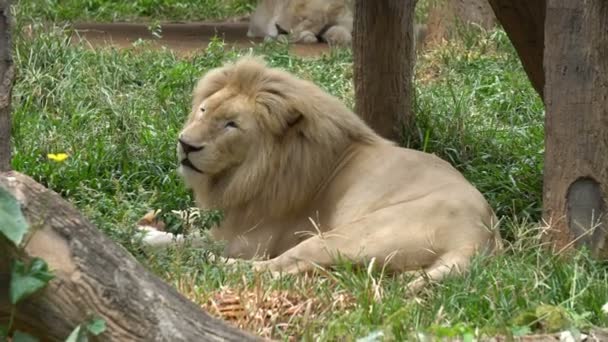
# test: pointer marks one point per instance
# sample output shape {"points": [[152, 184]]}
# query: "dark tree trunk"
{"points": [[93, 275], [383, 64], [576, 126], [524, 22], [6, 82]]}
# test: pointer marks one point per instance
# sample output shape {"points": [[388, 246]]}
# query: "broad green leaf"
{"points": [[12, 222], [19, 336], [97, 326], [27, 280]]}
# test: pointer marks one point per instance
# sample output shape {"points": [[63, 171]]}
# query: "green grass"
{"points": [[476, 108], [117, 114], [133, 10]]}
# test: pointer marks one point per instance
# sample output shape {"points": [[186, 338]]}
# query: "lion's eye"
{"points": [[202, 110], [231, 124]]}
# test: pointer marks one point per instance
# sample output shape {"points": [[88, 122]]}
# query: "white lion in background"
{"points": [[303, 21], [311, 21]]}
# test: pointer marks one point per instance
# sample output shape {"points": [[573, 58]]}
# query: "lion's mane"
{"points": [[305, 134]]}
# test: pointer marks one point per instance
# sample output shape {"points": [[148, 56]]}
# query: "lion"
{"points": [[303, 182], [303, 21], [312, 21]]}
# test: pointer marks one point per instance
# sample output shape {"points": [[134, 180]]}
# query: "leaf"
{"points": [[19, 336], [12, 222], [77, 335], [3, 333], [553, 318], [97, 326], [468, 337], [26, 281], [521, 330]]}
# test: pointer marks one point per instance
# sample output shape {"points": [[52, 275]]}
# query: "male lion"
{"points": [[302, 180]]}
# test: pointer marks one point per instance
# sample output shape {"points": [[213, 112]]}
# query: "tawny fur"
{"points": [[304, 20], [308, 21], [302, 180]]}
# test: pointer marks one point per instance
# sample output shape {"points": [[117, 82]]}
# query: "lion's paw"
{"points": [[306, 37], [338, 35], [266, 266]]}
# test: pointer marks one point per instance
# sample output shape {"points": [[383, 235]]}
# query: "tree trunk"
{"points": [[524, 22], [95, 276], [576, 123], [383, 64], [6, 82]]}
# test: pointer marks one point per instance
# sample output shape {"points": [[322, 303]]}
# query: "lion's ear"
{"points": [[294, 121], [282, 115], [288, 122]]}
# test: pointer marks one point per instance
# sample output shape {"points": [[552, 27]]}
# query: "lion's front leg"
{"points": [[316, 252]]}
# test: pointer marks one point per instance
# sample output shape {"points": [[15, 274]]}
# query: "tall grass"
{"points": [[133, 10]]}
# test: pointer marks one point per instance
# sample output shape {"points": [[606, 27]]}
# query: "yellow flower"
{"points": [[59, 157]]}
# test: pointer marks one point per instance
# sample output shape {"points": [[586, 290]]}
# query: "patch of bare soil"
{"points": [[184, 39]]}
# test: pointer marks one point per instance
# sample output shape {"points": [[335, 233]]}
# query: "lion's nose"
{"points": [[187, 148]]}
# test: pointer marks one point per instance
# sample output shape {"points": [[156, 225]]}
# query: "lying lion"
{"points": [[303, 21], [303, 181], [311, 21]]}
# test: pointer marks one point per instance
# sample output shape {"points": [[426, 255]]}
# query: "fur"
{"points": [[306, 21], [288, 163]]}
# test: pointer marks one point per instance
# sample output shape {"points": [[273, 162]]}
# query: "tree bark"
{"points": [[95, 276], [6, 82], [576, 123], [524, 22], [383, 64]]}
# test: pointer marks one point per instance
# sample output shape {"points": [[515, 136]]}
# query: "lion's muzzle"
{"points": [[187, 163], [184, 149], [187, 148]]}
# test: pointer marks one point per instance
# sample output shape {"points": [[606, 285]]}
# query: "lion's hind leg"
{"points": [[455, 262]]}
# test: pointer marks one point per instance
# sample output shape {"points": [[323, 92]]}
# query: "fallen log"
{"points": [[94, 276]]}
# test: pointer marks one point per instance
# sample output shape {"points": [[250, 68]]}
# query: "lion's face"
{"points": [[218, 136]]}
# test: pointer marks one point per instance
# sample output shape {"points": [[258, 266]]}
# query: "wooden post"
{"points": [[524, 22], [383, 64], [6, 82], [576, 124]]}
